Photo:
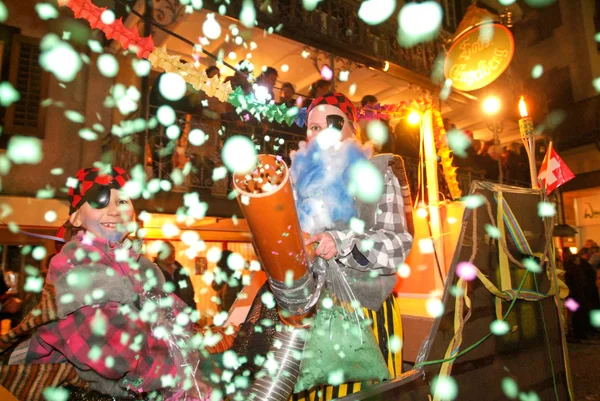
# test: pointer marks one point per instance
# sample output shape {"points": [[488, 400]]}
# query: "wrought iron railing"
{"points": [[162, 156], [333, 26]]}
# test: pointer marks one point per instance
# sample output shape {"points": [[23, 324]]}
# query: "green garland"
{"points": [[272, 112]]}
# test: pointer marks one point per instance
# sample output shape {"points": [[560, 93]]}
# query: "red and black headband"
{"points": [[94, 187], [338, 100]]}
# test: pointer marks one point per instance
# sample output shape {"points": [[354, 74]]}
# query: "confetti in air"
{"points": [[211, 28], [434, 307], [419, 22], [8, 94], [366, 182], [326, 72], [510, 388], [444, 387], [108, 65], [46, 11], [377, 132], [537, 71], [499, 327], [374, 12], [3, 12], [571, 304], [458, 142], [59, 58], [239, 155], [248, 14], [467, 271], [172, 86]]}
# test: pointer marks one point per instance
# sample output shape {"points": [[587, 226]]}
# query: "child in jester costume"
{"points": [[97, 324]]}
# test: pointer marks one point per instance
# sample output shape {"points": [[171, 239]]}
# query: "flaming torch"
{"points": [[528, 137]]}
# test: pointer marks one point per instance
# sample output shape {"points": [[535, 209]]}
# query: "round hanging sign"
{"points": [[479, 56]]}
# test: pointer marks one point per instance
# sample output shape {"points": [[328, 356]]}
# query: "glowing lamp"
{"points": [[414, 117], [422, 212], [491, 105]]}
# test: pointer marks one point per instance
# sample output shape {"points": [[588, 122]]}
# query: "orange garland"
{"points": [[126, 37], [445, 154]]}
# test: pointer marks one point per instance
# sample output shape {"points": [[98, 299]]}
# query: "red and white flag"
{"points": [[554, 171]]}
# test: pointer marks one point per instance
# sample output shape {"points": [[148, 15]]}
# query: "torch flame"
{"points": [[523, 107]]}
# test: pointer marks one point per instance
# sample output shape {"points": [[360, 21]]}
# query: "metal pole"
{"points": [[499, 149], [332, 72], [433, 194]]}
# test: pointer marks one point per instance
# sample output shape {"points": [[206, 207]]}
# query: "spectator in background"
{"points": [[515, 171], [595, 257], [368, 100], [589, 244], [10, 305], [472, 161], [490, 154], [576, 281], [240, 79], [286, 96], [268, 79], [317, 89], [590, 278], [176, 274], [212, 71], [229, 284]]}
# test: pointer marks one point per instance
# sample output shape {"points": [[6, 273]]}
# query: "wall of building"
{"points": [[62, 146]]}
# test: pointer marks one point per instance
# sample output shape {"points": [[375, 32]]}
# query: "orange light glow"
{"points": [[523, 107]]}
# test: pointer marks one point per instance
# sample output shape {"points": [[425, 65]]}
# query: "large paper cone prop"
{"points": [[267, 201]]}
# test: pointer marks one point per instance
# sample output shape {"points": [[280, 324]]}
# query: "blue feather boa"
{"points": [[320, 176]]}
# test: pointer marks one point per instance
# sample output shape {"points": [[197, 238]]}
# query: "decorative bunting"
{"points": [[392, 111], [159, 58], [126, 37], [279, 113], [144, 47], [445, 155]]}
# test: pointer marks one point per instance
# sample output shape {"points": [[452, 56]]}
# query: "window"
{"points": [[20, 66], [597, 23]]}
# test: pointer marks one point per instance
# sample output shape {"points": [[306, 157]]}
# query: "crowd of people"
{"points": [[484, 159], [582, 276]]}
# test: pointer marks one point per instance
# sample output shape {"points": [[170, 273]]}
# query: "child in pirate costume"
{"points": [[96, 323], [325, 203]]}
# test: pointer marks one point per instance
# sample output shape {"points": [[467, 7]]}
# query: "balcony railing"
{"points": [[162, 156], [334, 27]]}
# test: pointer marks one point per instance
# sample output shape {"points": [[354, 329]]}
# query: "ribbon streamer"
{"points": [[445, 154]]}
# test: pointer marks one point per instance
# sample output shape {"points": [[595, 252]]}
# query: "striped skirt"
{"points": [[386, 322]]}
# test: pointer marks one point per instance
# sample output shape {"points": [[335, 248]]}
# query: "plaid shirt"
{"points": [[384, 246], [105, 333]]}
